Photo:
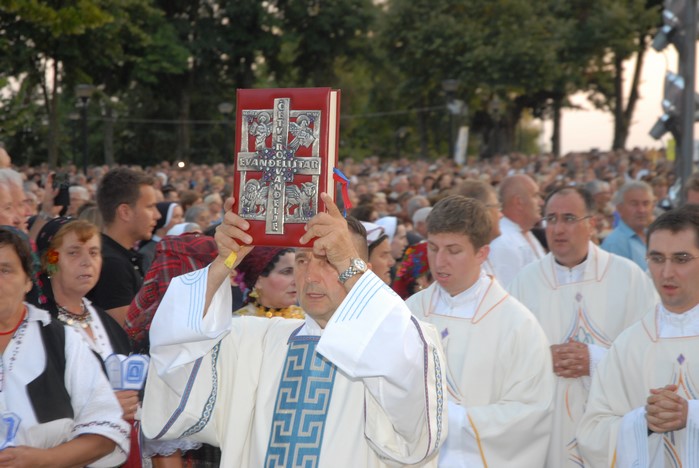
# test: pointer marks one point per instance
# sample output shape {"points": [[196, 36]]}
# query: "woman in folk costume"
{"points": [[414, 272], [71, 260], [380, 256], [56, 403], [267, 275]]}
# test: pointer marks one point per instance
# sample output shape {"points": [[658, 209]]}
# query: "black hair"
{"points": [[272, 263]]}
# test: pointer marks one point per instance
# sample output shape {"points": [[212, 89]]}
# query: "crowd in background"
{"points": [[385, 185], [392, 198], [397, 194]]}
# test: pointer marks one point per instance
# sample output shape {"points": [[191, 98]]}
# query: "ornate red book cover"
{"points": [[286, 147]]}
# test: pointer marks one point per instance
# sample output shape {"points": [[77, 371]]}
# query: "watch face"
{"points": [[359, 264]]}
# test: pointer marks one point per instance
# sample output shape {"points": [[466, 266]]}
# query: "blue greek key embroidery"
{"points": [[301, 407]]}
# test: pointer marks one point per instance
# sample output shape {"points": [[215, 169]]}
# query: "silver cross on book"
{"points": [[286, 150]]}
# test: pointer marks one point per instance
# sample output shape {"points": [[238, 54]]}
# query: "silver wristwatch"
{"points": [[357, 266]]}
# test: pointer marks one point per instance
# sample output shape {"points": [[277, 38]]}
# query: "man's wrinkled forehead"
{"points": [[304, 252]]}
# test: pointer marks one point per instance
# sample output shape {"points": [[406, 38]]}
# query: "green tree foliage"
{"points": [[40, 39], [529, 54], [314, 34], [624, 29], [51, 46], [503, 48], [162, 67]]}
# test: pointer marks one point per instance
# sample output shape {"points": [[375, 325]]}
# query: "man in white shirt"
{"points": [[643, 409], [498, 361], [516, 246], [584, 298], [359, 382]]}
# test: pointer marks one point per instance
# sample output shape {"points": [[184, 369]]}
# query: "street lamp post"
{"points": [[226, 108], [449, 87], [74, 117], [401, 133], [495, 108], [84, 92]]}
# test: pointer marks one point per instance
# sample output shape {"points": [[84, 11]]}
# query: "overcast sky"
{"points": [[587, 129]]}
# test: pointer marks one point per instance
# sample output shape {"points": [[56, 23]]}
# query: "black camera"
{"points": [[61, 181]]}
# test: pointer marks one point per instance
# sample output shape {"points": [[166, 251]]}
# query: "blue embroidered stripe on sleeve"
{"points": [[211, 401], [360, 296], [197, 297], [183, 401]]}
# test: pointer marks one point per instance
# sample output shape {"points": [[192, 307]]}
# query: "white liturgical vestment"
{"points": [[661, 350], [498, 376], [375, 398], [591, 303], [512, 250]]}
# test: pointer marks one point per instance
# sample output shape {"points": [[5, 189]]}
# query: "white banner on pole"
{"points": [[461, 146]]}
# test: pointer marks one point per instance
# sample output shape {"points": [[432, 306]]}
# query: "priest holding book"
{"points": [[359, 382]]}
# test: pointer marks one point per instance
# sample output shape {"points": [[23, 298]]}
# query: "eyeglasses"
{"points": [[675, 259], [494, 205], [568, 219]]}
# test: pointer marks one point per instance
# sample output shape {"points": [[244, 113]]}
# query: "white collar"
{"points": [[673, 325], [311, 327], [567, 275], [465, 304], [34, 314], [506, 224]]}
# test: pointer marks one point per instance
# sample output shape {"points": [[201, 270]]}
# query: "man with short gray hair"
{"points": [[634, 203], [198, 214], [420, 221], [13, 181], [79, 195]]}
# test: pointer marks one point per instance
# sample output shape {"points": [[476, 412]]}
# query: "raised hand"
{"points": [[332, 238], [231, 236]]}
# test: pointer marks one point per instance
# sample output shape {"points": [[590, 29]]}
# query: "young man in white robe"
{"points": [[498, 360], [643, 409], [583, 297], [358, 383]]}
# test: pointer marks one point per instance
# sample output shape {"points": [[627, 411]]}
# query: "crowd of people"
{"points": [[522, 311]]}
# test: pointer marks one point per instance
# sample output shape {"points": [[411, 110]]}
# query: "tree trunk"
{"points": [[108, 137], [422, 128], [557, 117], [635, 84], [184, 135], [621, 128], [54, 131], [508, 129]]}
